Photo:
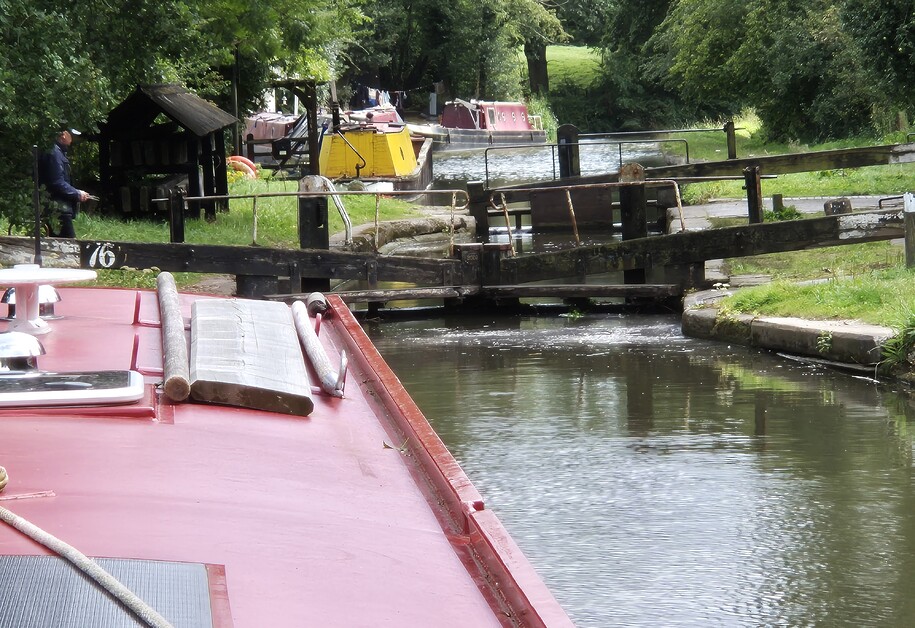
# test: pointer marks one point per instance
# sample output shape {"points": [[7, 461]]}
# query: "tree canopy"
{"points": [[74, 61], [811, 69]]}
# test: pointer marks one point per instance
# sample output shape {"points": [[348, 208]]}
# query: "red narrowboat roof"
{"points": [[356, 515], [490, 115]]}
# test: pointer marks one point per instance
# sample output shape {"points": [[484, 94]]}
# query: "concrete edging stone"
{"points": [[848, 342]]}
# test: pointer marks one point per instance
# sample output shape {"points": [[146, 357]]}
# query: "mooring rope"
{"points": [[128, 598]]}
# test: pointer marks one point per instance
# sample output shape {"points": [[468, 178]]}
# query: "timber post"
{"points": [[311, 112], [208, 161], [491, 267], [176, 215], [778, 203], [731, 138], [314, 233], [909, 218], [477, 205], [754, 194], [633, 213], [470, 255], [569, 164], [249, 146]]}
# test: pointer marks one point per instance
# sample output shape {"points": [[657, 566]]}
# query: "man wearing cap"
{"points": [[54, 173]]}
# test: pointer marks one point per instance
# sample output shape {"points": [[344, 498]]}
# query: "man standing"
{"points": [[54, 174]]}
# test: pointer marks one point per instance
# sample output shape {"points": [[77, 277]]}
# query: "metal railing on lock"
{"points": [[503, 207], [348, 227]]}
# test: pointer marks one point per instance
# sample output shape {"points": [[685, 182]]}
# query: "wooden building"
{"points": [[159, 138]]}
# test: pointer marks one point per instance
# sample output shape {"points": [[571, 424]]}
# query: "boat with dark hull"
{"points": [[222, 488], [477, 124]]}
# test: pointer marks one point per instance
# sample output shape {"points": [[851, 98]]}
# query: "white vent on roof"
{"points": [[47, 297], [19, 351]]}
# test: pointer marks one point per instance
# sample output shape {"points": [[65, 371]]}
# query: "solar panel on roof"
{"points": [[42, 591]]}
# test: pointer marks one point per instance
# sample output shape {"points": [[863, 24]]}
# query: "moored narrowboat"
{"points": [[476, 123]]}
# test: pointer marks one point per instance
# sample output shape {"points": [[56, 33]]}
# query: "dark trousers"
{"points": [[64, 225]]}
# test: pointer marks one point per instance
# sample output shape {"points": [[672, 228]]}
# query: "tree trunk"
{"points": [[539, 79]]}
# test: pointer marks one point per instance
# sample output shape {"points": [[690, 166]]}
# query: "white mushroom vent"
{"points": [[19, 351]]}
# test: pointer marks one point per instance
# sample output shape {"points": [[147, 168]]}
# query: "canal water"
{"points": [[655, 480], [508, 166]]}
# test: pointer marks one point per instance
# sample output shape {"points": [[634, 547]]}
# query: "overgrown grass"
{"points": [[890, 180], [845, 261], [866, 282], [145, 279], [884, 297], [540, 106]]}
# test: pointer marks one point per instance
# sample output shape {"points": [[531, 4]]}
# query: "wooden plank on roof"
{"points": [[247, 353]]}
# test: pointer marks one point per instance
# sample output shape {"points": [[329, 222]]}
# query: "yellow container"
{"points": [[387, 153]]}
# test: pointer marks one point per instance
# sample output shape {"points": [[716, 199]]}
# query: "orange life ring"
{"points": [[241, 166], [243, 160]]}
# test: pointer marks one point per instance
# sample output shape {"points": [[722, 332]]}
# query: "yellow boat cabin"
{"points": [[367, 150]]}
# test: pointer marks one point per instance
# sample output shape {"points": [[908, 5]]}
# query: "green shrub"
{"points": [[788, 212]]}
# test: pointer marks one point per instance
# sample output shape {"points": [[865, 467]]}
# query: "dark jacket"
{"points": [[54, 174]]}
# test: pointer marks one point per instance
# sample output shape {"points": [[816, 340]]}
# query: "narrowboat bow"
{"points": [[257, 500]]}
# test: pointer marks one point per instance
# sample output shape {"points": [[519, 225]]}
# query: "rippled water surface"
{"points": [[508, 166], [655, 480]]}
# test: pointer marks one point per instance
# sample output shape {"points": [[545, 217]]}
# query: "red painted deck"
{"points": [[315, 521]]}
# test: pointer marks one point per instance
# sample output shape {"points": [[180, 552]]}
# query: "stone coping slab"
{"points": [[850, 342]]}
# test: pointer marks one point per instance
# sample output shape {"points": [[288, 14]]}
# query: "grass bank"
{"points": [[866, 282], [276, 226], [880, 297]]}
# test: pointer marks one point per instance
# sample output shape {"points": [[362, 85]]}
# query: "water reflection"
{"points": [[655, 480]]}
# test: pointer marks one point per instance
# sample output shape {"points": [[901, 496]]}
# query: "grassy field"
{"points": [[572, 65]]}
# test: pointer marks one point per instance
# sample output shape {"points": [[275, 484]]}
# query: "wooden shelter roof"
{"points": [[195, 114]]}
